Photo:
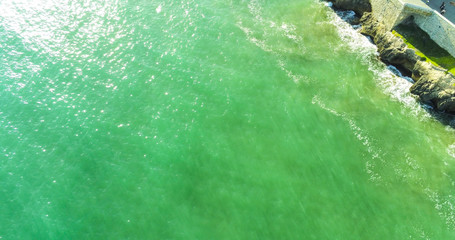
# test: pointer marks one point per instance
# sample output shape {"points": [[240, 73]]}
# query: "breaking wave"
{"points": [[388, 78]]}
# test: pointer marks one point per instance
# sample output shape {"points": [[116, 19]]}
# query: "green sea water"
{"points": [[208, 119]]}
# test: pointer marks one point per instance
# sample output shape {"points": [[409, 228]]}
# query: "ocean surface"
{"points": [[211, 119]]}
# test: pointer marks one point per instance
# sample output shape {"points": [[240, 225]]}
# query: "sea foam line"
{"points": [[390, 80], [387, 78], [360, 135], [265, 28]]}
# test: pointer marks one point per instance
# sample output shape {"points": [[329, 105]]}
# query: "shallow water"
{"points": [[211, 120]]}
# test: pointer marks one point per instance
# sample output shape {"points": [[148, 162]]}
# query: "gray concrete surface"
{"points": [[435, 4], [440, 28]]}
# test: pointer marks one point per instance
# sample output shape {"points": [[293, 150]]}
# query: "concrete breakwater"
{"points": [[433, 85], [394, 12]]}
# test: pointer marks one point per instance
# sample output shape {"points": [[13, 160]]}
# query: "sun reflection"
{"points": [[54, 26]]}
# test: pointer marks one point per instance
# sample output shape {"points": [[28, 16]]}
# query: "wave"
{"points": [[387, 78], [266, 29], [269, 35], [361, 135], [391, 81]]}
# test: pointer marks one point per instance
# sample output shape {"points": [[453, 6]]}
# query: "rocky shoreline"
{"points": [[433, 85]]}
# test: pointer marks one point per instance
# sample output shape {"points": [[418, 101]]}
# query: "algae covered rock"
{"points": [[391, 48]]}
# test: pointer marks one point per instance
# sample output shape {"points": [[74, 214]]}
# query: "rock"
{"points": [[391, 48], [358, 6], [434, 86], [370, 26], [420, 69]]}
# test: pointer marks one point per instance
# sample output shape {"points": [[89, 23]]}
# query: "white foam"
{"points": [[328, 4], [266, 28], [297, 78], [394, 84], [388, 78], [249, 34], [355, 41], [347, 16], [451, 150], [397, 72], [262, 29], [360, 134], [445, 205]]}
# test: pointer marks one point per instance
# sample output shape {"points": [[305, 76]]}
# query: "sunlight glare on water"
{"points": [[211, 120]]}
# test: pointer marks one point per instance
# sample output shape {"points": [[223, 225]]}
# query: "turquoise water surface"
{"points": [[238, 119]]}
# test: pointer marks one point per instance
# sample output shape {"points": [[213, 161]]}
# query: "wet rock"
{"points": [[358, 6], [433, 85], [391, 48], [370, 25]]}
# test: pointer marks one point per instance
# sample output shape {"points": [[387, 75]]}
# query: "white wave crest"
{"points": [[263, 31], [388, 78], [360, 135], [451, 150], [445, 205]]}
